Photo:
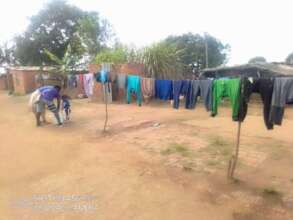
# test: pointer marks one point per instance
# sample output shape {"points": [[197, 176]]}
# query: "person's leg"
{"points": [[67, 113], [42, 111], [57, 116], [43, 116], [38, 121], [52, 108], [37, 109]]}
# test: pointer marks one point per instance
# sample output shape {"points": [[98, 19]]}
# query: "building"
{"points": [[257, 70]]}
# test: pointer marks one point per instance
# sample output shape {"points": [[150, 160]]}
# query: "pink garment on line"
{"points": [[147, 87], [81, 80]]}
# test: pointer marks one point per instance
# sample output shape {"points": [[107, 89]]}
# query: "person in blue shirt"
{"points": [[47, 96], [66, 106]]}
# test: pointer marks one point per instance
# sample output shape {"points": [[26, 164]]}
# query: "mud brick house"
{"points": [[24, 79], [3, 82]]}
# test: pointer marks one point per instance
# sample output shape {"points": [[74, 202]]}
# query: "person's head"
{"points": [[65, 97], [58, 88]]}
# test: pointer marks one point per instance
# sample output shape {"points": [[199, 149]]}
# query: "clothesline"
{"points": [[275, 92]]}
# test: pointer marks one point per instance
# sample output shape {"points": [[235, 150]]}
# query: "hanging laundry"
{"points": [[114, 86], [180, 88], [164, 89], [103, 76], [282, 95], [121, 81], [226, 88], [133, 87], [80, 76], [107, 92], [206, 87], [264, 87], [72, 81], [246, 89], [202, 88], [122, 85], [194, 92], [88, 82], [147, 87]]}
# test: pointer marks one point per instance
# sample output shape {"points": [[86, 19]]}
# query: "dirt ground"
{"points": [[154, 163]]}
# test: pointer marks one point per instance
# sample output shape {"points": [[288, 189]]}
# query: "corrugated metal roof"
{"points": [[274, 68], [32, 68]]}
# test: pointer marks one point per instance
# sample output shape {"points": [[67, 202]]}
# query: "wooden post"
{"points": [[229, 168], [106, 105], [207, 53], [107, 67], [234, 158]]}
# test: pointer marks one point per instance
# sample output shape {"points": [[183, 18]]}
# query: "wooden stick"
{"points": [[229, 168], [234, 158], [106, 105]]}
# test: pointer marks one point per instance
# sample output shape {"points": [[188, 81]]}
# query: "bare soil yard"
{"points": [[154, 163]]}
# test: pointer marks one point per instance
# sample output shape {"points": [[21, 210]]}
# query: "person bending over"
{"points": [[47, 96]]}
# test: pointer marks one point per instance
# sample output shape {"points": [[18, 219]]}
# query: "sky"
{"points": [[251, 27]]}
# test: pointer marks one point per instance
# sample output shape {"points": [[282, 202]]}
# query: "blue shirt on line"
{"points": [[163, 89]]}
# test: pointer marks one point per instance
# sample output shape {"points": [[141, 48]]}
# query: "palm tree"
{"points": [[65, 65], [161, 60]]}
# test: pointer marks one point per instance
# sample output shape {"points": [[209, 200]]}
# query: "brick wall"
{"points": [[23, 80], [10, 85], [136, 69], [129, 68], [94, 68], [3, 82]]}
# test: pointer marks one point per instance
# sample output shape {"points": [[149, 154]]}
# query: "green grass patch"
{"points": [[187, 168], [217, 153], [272, 195], [213, 162], [17, 94], [176, 148], [218, 147], [271, 191]]}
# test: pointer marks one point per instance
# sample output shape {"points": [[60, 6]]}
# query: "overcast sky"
{"points": [[251, 27]]}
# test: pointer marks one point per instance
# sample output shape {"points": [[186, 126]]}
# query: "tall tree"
{"points": [[7, 54], [289, 59], [193, 49], [54, 27], [113, 56], [257, 59], [94, 32], [2, 58], [68, 63]]}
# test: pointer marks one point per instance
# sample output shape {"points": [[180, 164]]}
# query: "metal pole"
{"points": [[106, 67], [106, 105], [207, 53]]}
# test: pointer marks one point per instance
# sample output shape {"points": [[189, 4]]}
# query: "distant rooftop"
{"points": [[31, 68], [257, 69], [36, 68]]}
